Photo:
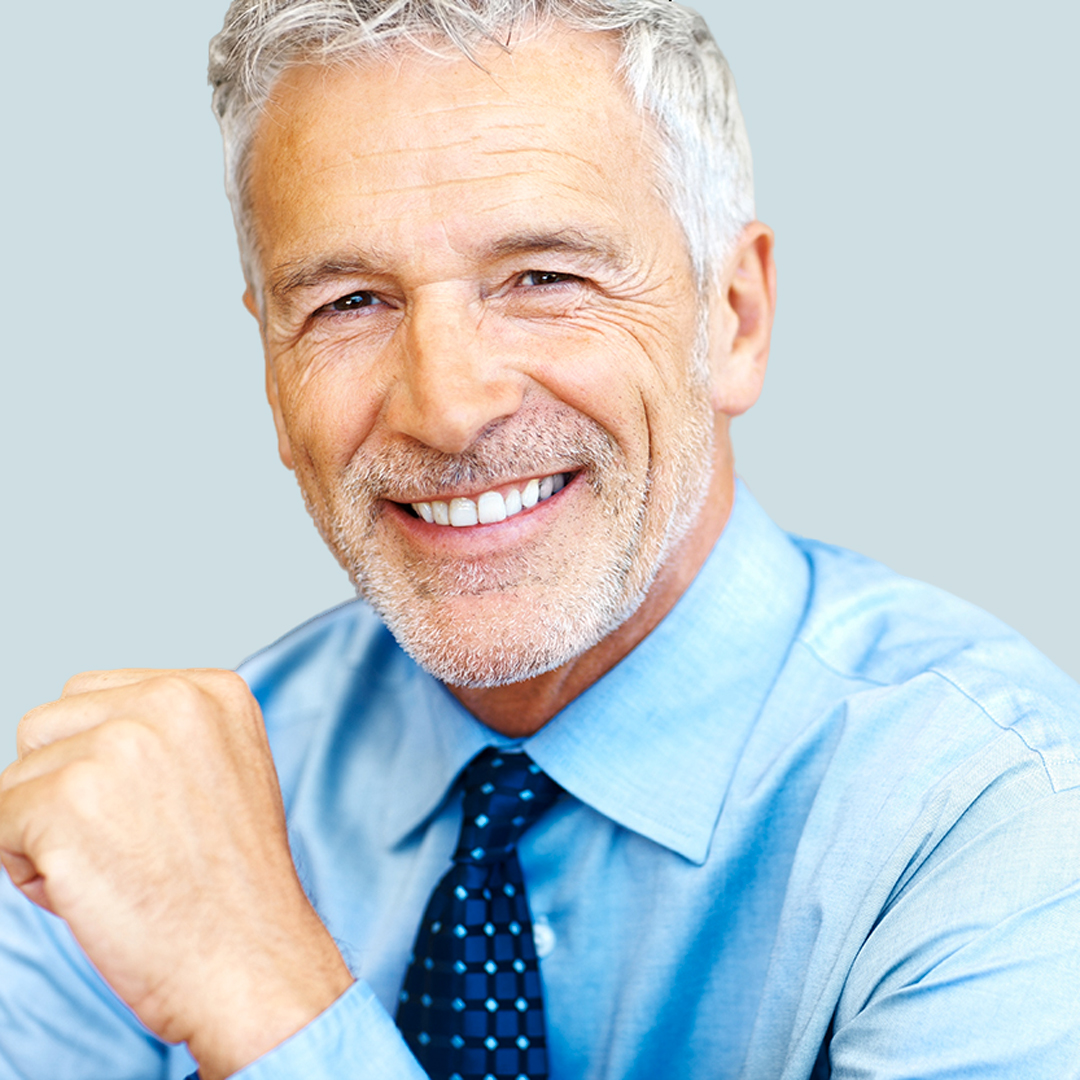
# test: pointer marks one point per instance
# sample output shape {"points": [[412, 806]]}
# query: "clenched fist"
{"points": [[144, 810]]}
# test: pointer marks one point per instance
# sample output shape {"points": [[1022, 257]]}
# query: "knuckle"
{"points": [[225, 695], [181, 707], [175, 691], [123, 740], [230, 679], [231, 686], [79, 787]]}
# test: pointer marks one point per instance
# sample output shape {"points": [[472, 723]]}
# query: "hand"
{"points": [[145, 811]]}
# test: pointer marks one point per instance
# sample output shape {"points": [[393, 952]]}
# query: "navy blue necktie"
{"points": [[471, 1007]]}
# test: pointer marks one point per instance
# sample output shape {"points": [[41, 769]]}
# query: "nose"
{"points": [[452, 379]]}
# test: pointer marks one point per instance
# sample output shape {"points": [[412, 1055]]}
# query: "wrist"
{"points": [[256, 1008]]}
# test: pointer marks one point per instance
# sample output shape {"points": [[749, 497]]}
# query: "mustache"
{"points": [[557, 441]]}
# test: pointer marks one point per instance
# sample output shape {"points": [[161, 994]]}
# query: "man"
{"points": [[782, 813]]}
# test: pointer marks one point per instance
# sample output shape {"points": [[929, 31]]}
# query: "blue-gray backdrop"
{"points": [[918, 162]]}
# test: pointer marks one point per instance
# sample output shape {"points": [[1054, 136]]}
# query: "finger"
{"points": [[45, 723], [87, 681], [18, 814], [81, 746], [21, 870], [23, 830], [120, 694], [59, 720], [70, 716], [26, 879]]}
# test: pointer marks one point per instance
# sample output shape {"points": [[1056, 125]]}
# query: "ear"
{"points": [[284, 446], [741, 312]]}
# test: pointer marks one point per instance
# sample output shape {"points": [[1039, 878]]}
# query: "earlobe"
{"points": [[251, 305], [741, 317]]}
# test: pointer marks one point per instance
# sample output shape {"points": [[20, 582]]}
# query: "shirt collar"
{"points": [[438, 738], [654, 742]]}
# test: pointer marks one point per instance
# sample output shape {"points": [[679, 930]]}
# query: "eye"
{"points": [[352, 302], [545, 277]]}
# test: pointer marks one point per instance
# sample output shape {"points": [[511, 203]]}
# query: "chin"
{"points": [[483, 642]]}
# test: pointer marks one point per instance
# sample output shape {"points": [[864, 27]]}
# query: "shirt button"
{"points": [[543, 937]]}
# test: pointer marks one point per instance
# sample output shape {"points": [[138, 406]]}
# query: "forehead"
{"points": [[444, 152]]}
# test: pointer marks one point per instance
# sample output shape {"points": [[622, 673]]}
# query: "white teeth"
{"points": [[463, 513], [491, 507]]}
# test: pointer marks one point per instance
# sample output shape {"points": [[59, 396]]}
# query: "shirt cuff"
{"points": [[355, 1037]]}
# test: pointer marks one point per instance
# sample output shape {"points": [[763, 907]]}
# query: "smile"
{"points": [[492, 506]]}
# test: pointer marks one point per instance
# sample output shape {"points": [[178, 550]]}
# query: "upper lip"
{"points": [[476, 492]]}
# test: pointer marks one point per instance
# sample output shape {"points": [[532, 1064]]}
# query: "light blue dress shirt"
{"points": [[819, 806]]}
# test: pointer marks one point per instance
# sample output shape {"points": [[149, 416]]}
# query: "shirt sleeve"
{"points": [[974, 969], [58, 1017], [354, 1038]]}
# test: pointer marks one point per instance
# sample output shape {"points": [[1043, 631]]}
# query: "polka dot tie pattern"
{"points": [[471, 1007]]}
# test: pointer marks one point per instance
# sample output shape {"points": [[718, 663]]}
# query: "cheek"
{"points": [[625, 387], [602, 380], [328, 413]]}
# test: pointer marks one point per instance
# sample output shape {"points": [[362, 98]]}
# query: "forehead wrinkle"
{"points": [[358, 161], [427, 153], [545, 151], [443, 184], [400, 188], [483, 105], [488, 127], [411, 148]]}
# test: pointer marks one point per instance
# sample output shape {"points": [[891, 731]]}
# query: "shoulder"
{"points": [[949, 796], [924, 706], [897, 638]]}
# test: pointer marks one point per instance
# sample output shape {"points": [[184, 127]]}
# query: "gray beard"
{"points": [[561, 620]]}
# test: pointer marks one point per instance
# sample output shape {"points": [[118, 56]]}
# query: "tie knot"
{"points": [[504, 794]]}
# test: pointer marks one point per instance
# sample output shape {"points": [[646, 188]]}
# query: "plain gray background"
{"points": [[918, 162]]}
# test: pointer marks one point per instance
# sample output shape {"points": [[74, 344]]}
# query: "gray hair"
{"points": [[668, 59]]}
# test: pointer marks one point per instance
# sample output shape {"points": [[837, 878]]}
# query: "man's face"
{"points": [[475, 292]]}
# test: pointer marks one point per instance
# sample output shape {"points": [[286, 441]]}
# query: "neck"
{"points": [[521, 709]]}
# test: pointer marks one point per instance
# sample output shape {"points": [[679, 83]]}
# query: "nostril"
{"points": [[446, 402]]}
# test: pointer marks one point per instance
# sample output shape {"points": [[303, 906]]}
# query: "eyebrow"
{"points": [[301, 275], [569, 240], [293, 277]]}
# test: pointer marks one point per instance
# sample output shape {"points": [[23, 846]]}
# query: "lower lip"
{"points": [[469, 537]]}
